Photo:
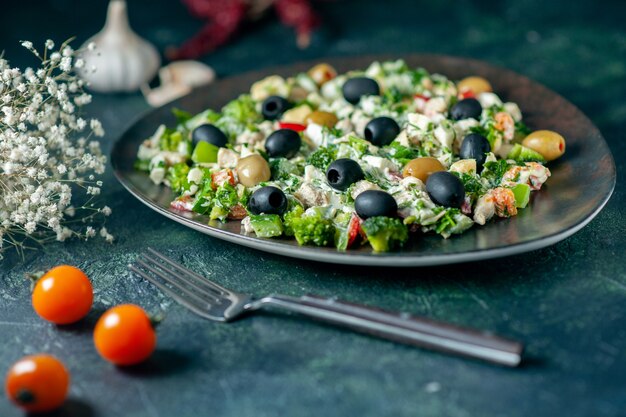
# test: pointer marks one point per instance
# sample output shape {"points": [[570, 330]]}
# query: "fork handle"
{"points": [[402, 327]]}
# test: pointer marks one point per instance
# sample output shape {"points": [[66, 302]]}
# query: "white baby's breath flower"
{"points": [[106, 235], [90, 232], [93, 190], [30, 227], [40, 158], [96, 127], [66, 64], [67, 51], [82, 99]]}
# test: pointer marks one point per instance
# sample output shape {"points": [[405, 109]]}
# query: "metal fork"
{"points": [[214, 302]]}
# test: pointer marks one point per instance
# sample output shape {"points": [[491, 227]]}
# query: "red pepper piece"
{"points": [[354, 229], [293, 126]]}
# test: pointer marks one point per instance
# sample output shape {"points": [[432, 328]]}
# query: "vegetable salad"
{"points": [[366, 157]]}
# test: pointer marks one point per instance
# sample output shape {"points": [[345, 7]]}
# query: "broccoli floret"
{"points": [[266, 225], [322, 157], [242, 110], [385, 233], [282, 169], [177, 176], [294, 212], [313, 230]]}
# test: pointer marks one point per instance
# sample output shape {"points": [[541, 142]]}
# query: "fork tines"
{"points": [[187, 287]]}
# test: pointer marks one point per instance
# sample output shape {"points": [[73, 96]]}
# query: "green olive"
{"points": [[475, 85], [322, 73], [252, 170], [421, 168], [549, 144], [322, 118]]}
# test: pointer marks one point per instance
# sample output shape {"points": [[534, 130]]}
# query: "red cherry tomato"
{"points": [[37, 383], [124, 335], [63, 295], [293, 126]]}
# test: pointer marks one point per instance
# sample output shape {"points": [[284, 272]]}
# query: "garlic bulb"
{"points": [[122, 60]]}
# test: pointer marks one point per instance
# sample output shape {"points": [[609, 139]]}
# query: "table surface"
{"points": [[567, 302]]}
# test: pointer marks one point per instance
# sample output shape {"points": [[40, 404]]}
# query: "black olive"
{"points": [[445, 189], [273, 107], [381, 131], [355, 88], [268, 200], [344, 172], [209, 133], [468, 108], [373, 203], [475, 146], [283, 143]]}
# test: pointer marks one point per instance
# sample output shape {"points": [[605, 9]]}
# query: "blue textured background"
{"points": [[568, 302]]}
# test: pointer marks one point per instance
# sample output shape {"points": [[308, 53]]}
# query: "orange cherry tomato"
{"points": [[63, 295], [37, 383], [124, 335]]}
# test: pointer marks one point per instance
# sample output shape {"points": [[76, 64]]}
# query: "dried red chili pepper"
{"points": [[224, 18]]}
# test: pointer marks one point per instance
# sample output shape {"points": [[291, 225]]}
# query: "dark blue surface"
{"points": [[567, 302]]}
